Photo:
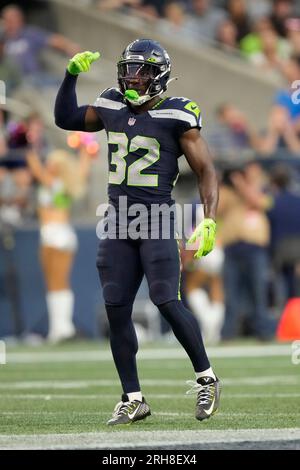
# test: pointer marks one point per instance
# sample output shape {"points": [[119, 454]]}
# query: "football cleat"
{"points": [[208, 396], [127, 412]]}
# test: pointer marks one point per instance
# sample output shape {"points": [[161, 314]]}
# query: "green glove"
{"points": [[82, 61], [206, 231]]}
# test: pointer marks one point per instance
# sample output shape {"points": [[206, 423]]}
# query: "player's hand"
{"points": [[82, 61], [206, 232]]}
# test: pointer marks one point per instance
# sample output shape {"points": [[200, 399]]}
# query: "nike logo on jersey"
{"points": [[131, 121]]}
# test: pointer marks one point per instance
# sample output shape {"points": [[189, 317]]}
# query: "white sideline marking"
{"points": [[165, 396], [168, 353], [80, 384], [127, 439], [155, 413]]}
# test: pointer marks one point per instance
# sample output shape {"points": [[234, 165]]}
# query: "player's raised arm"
{"points": [[197, 154], [68, 115]]}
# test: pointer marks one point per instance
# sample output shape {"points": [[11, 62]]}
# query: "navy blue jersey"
{"points": [[144, 148]]}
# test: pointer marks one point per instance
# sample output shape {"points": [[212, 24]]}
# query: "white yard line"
{"points": [[81, 384], [155, 413], [147, 354], [158, 396], [129, 439]]}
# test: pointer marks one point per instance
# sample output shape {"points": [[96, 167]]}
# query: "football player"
{"points": [[147, 133]]}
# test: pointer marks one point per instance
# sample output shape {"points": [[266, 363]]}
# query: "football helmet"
{"points": [[143, 71]]}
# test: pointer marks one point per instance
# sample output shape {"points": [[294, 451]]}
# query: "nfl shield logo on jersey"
{"points": [[131, 121]]}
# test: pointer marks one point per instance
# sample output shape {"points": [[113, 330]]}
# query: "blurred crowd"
{"points": [[39, 185], [38, 182], [231, 135], [265, 32], [243, 286], [21, 48]]}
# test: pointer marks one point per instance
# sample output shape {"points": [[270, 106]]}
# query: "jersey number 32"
{"points": [[134, 175]]}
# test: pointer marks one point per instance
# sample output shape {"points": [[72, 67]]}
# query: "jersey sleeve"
{"points": [[188, 115], [108, 93]]}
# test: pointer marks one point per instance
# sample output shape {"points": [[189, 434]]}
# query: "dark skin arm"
{"points": [[92, 121], [199, 158]]}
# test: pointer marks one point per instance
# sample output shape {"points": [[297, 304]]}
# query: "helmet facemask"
{"points": [[140, 81]]}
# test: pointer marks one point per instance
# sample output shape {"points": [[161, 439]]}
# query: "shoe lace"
{"points": [[123, 408], [205, 392]]}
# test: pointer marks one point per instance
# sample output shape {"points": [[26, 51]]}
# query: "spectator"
{"points": [[281, 11], [175, 19], [9, 71], [251, 43], [227, 36], [36, 135], [204, 20], [259, 8], [238, 14], [264, 47], [244, 232], [61, 181], [232, 134], [23, 44], [283, 210], [154, 8], [293, 35], [283, 100], [15, 194], [15, 191], [285, 229], [274, 51], [281, 133]]}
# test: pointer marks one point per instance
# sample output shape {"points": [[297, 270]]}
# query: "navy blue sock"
{"points": [[187, 331], [124, 345]]}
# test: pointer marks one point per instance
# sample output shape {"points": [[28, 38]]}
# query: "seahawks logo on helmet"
{"points": [[143, 71]]}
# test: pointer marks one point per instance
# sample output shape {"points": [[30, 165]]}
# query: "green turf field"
{"points": [[74, 388]]}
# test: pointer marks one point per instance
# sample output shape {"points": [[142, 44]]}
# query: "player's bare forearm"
{"points": [[198, 156]]}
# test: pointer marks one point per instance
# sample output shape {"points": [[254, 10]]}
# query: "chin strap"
{"points": [[171, 80]]}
